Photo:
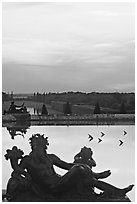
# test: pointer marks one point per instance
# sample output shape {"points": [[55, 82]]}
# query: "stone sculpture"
{"points": [[34, 178], [13, 109]]}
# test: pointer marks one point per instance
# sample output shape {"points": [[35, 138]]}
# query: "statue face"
{"points": [[34, 145], [85, 157], [86, 151], [38, 141]]}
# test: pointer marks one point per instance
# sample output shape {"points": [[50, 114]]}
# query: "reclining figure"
{"points": [[35, 171]]}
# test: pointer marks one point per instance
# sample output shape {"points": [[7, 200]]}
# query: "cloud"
{"points": [[80, 42], [44, 52]]}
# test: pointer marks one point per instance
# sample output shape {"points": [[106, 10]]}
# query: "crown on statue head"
{"points": [[38, 140]]}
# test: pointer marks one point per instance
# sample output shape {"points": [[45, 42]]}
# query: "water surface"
{"points": [[65, 142]]}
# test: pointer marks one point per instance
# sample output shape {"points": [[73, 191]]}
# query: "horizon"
{"points": [[23, 93]]}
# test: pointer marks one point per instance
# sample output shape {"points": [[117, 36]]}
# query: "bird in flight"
{"points": [[99, 140], [90, 137], [124, 132], [121, 142], [102, 134]]}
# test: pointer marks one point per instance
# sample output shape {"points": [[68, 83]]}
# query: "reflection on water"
{"points": [[17, 129], [67, 141]]}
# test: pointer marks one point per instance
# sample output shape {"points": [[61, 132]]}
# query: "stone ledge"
{"points": [[30, 197], [106, 119]]}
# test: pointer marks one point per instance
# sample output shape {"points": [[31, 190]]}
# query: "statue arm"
{"points": [[101, 175], [24, 161], [23, 165], [18, 169], [60, 163]]}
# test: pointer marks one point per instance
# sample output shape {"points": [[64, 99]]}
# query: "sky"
{"points": [[76, 46]]}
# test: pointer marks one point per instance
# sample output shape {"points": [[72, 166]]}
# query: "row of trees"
{"points": [[68, 109], [112, 101], [97, 109], [109, 102]]}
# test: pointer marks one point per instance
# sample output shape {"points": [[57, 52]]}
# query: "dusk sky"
{"points": [[56, 47]]}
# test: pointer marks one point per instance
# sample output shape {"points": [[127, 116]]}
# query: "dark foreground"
{"points": [[31, 197]]}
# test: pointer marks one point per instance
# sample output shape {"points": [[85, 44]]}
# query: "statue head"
{"points": [[85, 156], [38, 141], [86, 152]]}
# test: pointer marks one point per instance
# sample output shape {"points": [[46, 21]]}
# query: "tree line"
{"points": [[115, 102]]}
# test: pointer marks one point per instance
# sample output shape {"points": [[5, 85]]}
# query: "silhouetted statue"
{"points": [[35, 173], [44, 110], [16, 108]]}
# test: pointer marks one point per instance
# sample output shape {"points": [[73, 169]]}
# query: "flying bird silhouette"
{"points": [[99, 140], [102, 134], [121, 142], [124, 132], [90, 137]]}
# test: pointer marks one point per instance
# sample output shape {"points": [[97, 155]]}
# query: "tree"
{"points": [[44, 110], [122, 108], [67, 109], [11, 95], [97, 109], [43, 97]]}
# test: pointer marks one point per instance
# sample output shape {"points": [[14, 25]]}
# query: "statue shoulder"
{"points": [[53, 157], [25, 159]]}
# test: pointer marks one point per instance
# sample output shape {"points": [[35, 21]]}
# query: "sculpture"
{"points": [[17, 108], [34, 173]]}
